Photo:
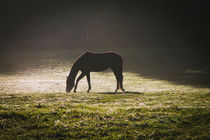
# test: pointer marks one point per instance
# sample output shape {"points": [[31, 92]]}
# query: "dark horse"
{"points": [[94, 62]]}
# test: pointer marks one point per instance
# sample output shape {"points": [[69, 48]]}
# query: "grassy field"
{"points": [[34, 105], [105, 115]]}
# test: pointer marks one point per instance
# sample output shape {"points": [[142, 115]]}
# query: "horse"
{"points": [[95, 62]]}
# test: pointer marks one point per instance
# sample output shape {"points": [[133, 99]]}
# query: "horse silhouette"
{"points": [[95, 62]]}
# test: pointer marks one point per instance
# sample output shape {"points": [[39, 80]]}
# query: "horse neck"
{"points": [[74, 71]]}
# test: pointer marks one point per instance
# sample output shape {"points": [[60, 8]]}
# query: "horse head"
{"points": [[69, 84]]}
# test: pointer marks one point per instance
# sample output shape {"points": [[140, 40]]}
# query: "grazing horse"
{"points": [[95, 62]]}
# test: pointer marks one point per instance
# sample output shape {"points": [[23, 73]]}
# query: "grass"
{"points": [[162, 100], [104, 115]]}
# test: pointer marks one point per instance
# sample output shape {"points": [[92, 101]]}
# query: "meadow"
{"points": [[105, 115], [34, 105]]}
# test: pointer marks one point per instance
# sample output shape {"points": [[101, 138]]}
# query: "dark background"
{"points": [[166, 40]]}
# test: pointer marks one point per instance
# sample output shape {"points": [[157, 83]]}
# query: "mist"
{"points": [[158, 39]]}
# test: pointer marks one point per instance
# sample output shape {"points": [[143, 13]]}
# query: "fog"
{"points": [[158, 39]]}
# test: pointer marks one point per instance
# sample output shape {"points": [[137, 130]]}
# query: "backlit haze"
{"points": [[164, 44]]}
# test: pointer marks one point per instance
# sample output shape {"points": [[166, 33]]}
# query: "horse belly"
{"points": [[96, 63], [97, 68]]}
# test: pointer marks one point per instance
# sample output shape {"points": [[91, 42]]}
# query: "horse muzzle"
{"points": [[67, 90]]}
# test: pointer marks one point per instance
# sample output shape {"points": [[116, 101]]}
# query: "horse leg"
{"points": [[117, 78], [88, 80], [121, 83], [118, 74], [78, 79], [117, 87]]}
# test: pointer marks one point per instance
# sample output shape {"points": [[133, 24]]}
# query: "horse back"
{"points": [[91, 61]]}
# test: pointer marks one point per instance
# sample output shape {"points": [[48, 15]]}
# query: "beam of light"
{"points": [[53, 81]]}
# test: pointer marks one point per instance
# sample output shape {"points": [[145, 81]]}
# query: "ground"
{"points": [[105, 115], [34, 105]]}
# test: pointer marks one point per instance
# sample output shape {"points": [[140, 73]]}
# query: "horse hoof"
{"points": [[75, 91]]}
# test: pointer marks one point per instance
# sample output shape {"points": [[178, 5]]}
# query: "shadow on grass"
{"points": [[186, 65], [126, 92]]}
